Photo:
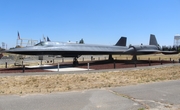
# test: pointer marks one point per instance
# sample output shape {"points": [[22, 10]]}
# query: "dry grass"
{"points": [[152, 57], [69, 82]]}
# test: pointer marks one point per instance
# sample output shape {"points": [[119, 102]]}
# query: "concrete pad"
{"points": [[157, 96], [67, 69], [55, 68], [77, 100], [39, 66]]}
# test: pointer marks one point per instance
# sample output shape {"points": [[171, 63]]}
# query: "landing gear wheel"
{"points": [[75, 62]]}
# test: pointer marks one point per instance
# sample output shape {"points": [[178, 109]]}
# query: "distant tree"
{"points": [[81, 41], [11, 48], [164, 48], [169, 48], [1, 49], [18, 46], [178, 48], [174, 48]]}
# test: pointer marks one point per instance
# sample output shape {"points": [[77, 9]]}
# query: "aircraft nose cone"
{"points": [[8, 51], [15, 50]]}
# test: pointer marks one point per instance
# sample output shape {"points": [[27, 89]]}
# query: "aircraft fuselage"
{"points": [[68, 49]]}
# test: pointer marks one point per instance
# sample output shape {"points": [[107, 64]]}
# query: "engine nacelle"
{"points": [[143, 49]]}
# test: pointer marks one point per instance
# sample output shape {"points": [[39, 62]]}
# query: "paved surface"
{"points": [[55, 68], [153, 96]]}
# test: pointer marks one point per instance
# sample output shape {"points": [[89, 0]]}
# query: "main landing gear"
{"points": [[75, 62], [111, 58], [134, 58]]}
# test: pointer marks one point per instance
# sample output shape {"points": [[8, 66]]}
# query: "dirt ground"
{"points": [[69, 82]]}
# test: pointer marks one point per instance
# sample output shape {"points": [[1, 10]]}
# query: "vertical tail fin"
{"points": [[153, 40], [121, 42], [48, 39]]}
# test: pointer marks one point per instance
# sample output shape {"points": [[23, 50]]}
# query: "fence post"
{"points": [[6, 65], [23, 68], [149, 62], [58, 66], [88, 66], [135, 64], [114, 64]]}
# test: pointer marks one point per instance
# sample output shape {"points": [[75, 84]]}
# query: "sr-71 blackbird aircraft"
{"points": [[72, 49], [75, 50]]}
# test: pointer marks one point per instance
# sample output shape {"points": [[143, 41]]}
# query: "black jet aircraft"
{"points": [[75, 50], [72, 49]]}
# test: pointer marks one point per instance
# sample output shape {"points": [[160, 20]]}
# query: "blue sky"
{"points": [[96, 21]]}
